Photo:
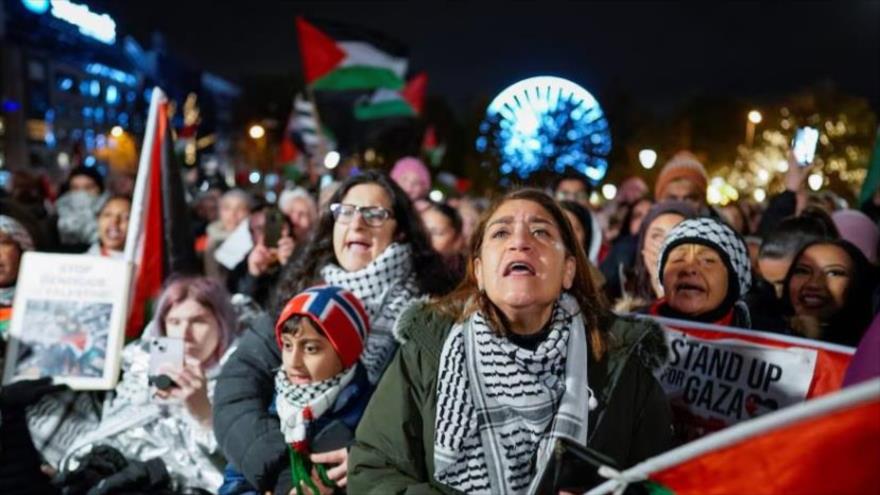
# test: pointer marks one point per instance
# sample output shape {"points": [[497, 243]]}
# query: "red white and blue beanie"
{"points": [[337, 312], [718, 236]]}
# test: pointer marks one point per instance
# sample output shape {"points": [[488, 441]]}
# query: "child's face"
{"points": [[307, 356]]}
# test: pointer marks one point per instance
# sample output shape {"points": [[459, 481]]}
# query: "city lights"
{"points": [[755, 117], [609, 191], [331, 160], [648, 158], [116, 131], [256, 131]]}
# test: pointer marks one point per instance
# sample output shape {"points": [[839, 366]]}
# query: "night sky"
{"points": [[660, 54]]}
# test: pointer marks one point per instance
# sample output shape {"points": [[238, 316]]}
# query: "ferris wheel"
{"points": [[546, 123]]}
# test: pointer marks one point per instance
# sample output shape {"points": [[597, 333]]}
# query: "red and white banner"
{"points": [[719, 376]]}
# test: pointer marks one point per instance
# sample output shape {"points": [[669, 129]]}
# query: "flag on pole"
{"points": [[159, 240], [386, 103], [354, 60], [828, 445]]}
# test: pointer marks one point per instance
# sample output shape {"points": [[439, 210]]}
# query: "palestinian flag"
{"points": [[159, 240], [386, 103], [340, 58], [827, 445]]}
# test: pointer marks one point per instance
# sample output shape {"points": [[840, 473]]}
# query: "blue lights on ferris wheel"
{"points": [[549, 124]]}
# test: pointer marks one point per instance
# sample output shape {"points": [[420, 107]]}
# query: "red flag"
{"points": [[828, 445], [159, 239], [320, 53], [414, 91]]}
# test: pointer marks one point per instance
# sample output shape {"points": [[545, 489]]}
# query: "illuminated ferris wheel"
{"points": [[546, 124]]}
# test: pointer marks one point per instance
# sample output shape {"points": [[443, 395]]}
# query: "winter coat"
{"points": [[394, 449], [332, 431], [142, 428], [248, 434]]}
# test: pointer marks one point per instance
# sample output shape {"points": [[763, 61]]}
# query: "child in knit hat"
{"points": [[320, 389]]}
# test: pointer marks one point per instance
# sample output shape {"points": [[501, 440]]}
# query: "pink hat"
{"points": [[858, 228], [413, 165]]}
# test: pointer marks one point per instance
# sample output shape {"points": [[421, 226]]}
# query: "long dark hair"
{"points": [[583, 216], [642, 286], [431, 277], [467, 298], [850, 322]]}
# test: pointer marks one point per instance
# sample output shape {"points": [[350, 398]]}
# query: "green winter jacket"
{"points": [[394, 449]]}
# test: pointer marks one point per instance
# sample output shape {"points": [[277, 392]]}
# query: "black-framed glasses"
{"points": [[374, 216]]}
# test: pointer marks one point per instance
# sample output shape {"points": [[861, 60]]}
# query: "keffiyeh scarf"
{"points": [[386, 286], [498, 404], [298, 406]]}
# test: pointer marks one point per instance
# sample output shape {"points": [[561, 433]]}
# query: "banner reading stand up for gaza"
{"points": [[717, 376]]}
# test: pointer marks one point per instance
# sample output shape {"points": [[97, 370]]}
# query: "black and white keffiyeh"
{"points": [[498, 404], [298, 405], [386, 286]]}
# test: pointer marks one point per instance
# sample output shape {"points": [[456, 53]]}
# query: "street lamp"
{"points": [[648, 158], [256, 131], [754, 118]]}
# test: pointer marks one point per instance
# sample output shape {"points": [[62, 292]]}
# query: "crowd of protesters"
{"points": [[373, 340]]}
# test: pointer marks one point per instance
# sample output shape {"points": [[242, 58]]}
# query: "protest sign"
{"points": [[68, 320], [717, 376]]}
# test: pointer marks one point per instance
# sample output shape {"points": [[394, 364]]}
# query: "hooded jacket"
{"points": [[394, 447]]}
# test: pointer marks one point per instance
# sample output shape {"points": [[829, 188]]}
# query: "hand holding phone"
{"points": [[165, 353], [272, 228], [804, 144]]}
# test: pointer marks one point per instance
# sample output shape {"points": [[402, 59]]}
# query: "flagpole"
{"points": [[143, 178], [322, 143]]}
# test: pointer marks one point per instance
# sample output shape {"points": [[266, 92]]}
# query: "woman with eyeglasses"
{"points": [[369, 241]]}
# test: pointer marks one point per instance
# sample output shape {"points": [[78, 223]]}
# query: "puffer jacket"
{"points": [[394, 447], [142, 428]]}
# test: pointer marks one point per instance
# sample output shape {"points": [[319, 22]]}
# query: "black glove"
{"points": [[101, 462], [137, 476], [17, 396]]}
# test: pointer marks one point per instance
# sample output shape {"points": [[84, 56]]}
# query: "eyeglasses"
{"points": [[374, 216]]}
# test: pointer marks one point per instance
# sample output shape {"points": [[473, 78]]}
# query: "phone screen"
{"points": [[804, 145], [272, 229]]}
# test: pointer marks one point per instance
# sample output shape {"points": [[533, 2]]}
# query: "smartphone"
{"points": [[165, 352], [272, 228], [804, 145]]}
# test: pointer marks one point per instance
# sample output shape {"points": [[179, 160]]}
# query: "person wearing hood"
{"points": [[705, 271]]}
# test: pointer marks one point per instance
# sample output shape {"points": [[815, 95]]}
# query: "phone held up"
{"points": [[804, 144], [165, 352], [272, 229]]}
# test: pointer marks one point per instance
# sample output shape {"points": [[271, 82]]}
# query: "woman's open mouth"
{"points": [[519, 269], [689, 289]]}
